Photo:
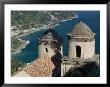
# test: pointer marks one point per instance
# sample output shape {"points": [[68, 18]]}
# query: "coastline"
{"points": [[26, 42], [22, 46]]}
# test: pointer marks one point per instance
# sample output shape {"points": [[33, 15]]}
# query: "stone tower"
{"points": [[50, 43], [81, 48], [81, 41]]}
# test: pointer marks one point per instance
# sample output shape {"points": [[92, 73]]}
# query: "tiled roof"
{"points": [[41, 67]]}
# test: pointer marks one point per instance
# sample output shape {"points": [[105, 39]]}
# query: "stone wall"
{"points": [[87, 49], [81, 39], [65, 68], [42, 50]]}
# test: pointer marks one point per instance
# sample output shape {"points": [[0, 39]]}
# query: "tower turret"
{"points": [[50, 43], [81, 41]]}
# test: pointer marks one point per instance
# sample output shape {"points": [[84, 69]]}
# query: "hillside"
{"points": [[26, 22]]}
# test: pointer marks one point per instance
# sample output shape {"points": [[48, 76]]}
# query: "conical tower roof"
{"points": [[81, 29]]}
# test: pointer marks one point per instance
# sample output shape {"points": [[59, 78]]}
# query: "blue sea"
{"points": [[91, 18]]}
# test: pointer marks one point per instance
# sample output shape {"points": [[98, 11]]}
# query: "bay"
{"points": [[91, 18]]}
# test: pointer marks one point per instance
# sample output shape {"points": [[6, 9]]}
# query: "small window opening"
{"points": [[78, 51], [46, 50]]}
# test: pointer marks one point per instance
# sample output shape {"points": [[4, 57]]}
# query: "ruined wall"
{"points": [[42, 50], [65, 68], [51, 47], [87, 49]]}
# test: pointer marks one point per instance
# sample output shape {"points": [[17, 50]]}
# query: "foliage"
{"points": [[16, 65], [32, 19], [15, 43]]}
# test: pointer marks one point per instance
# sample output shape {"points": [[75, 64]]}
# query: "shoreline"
{"points": [[45, 27], [22, 46], [26, 42]]}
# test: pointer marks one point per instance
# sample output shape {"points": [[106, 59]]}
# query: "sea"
{"points": [[91, 18]]}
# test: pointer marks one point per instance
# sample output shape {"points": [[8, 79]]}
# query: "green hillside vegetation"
{"points": [[16, 65], [29, 21], [26, 20], [15, 43], [32, 19]]}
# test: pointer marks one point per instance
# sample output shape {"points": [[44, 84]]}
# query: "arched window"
{"points": [[78, 51], [46, 50]]}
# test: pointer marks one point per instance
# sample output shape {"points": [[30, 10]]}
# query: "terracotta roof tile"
{"points": [[41, 67]]}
